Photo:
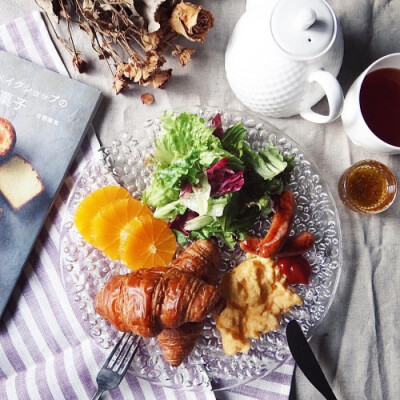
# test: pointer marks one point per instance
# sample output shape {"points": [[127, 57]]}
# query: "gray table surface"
{"points": [[358, 343]]}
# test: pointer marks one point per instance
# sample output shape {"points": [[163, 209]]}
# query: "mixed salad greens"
{"points": [[209, 182]]}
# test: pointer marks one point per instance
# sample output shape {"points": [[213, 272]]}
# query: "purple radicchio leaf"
{"points": [[186, 188], [223, 179], [216, 123], [179, 222]]}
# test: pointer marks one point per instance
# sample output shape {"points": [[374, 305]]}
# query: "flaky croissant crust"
{"points": [[200, 259], [149, 300]]}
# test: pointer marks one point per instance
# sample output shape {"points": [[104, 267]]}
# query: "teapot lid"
{"points": [[303, 28]]}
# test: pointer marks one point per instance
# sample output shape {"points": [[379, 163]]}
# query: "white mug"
{"points": [[352, 117]]}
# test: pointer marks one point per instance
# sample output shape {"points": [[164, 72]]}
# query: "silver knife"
{"points": [[305, 359]]}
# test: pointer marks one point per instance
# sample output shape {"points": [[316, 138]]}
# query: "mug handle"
{"points": [[334, 94]]}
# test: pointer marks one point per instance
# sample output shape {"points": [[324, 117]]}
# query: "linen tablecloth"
{"points": [[358, 342], [44, 351]]}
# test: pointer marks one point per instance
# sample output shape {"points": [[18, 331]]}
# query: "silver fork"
{"points": [[117, 363]]}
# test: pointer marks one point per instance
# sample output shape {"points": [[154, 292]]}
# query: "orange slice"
{"points": [[92, 204], [110, 220], [147, 242]]}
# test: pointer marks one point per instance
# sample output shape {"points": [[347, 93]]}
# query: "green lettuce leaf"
{"points": [[233, 139], [216, 206], [170, 211], [182, 134], [180, 237], [213, 228], [198, 200], [199, 222], [268, 163], [231, 226], [158, 195]]}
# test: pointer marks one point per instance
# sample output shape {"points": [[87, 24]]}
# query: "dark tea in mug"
{"points": [[380, 104]]}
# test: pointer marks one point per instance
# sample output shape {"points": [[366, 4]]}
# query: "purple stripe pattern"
{"points": [[44, 352], [43, 387], [18, 42], [35, 34]]}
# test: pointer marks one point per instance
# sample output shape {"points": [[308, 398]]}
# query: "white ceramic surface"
{"points": [[353, 121], [279, 65]]}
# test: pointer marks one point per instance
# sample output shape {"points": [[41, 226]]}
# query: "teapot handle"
{"points": [[334, 94]]}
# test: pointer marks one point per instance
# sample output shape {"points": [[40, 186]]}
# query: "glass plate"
{"points": [[86, 269]]}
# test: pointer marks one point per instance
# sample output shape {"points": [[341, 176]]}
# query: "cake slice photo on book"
{"points": [[43, 119], [19, 182]]}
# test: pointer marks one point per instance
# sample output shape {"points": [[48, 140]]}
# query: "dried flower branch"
{"points": [[132, 36]]}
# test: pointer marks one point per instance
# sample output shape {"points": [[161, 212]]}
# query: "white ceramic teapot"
{"points": [[283, 57]]}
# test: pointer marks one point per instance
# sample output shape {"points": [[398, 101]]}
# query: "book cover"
{"points": [[43, 119]]}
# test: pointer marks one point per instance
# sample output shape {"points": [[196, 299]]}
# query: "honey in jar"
{"points": [[368, 187]]}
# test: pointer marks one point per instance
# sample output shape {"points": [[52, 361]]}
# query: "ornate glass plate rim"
{"points": [[85, 269]]}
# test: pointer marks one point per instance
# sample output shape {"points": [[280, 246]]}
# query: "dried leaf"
{"points": [[79, 64], [184, 54], [147, 98], [151, 41], [191, 21], [87, 6], [138, 76], [119, 84], [161, 79]]}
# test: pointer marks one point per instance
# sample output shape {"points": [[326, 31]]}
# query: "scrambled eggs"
{"points": [[256, 294]]}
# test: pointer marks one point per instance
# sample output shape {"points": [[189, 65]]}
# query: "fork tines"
{"points": [[123, 353]]}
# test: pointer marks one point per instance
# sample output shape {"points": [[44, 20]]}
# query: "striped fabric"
{"points": [[276, 386], [44, 351]]}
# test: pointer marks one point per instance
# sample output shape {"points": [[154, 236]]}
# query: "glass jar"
{"points": [[368, 187]]}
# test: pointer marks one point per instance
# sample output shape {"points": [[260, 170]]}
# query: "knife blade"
{"points": [[305, 359]]}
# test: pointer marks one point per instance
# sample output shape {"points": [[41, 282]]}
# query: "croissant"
{"points": [[201, 259], [177, 344], [149, 300]]}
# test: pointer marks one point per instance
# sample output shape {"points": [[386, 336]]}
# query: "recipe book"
{"points": [[43, 119]]}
